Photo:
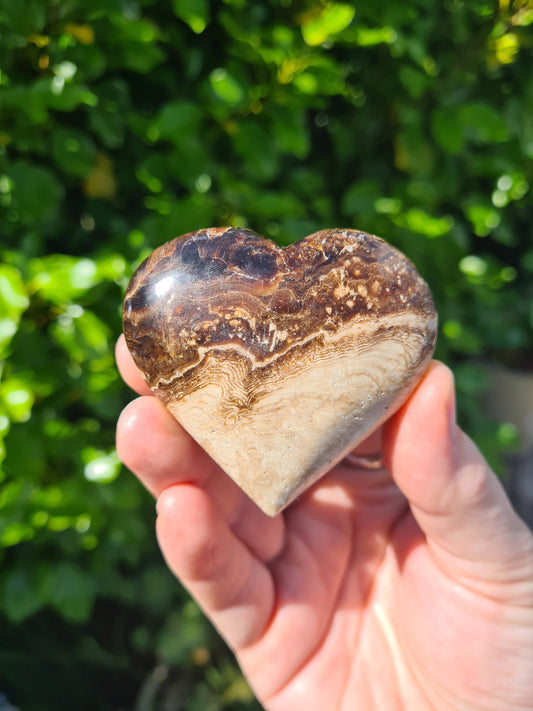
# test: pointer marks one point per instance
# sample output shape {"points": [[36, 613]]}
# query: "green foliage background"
{"points": [[124, 123]]}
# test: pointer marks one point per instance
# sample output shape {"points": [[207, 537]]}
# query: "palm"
{"points": [[358, 595], [383, 637], [332, 590]]}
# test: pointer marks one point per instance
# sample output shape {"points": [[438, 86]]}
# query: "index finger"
{"points": [[128, 370]]}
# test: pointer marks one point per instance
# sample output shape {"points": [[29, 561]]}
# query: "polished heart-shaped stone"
{"points": [[279, 361]]}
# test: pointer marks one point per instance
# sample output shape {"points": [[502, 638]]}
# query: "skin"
{"points": [[406, 588]]}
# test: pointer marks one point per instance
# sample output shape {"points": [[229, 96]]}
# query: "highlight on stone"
{"points": [[279, 361]]}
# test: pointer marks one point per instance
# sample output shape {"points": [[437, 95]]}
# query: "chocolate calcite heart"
{"points": [[279, 361]]}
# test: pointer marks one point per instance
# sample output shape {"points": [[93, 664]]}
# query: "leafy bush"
{"points": [[124, 123]]}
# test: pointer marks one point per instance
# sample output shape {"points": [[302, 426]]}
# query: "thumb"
{"points": [[456, 499]]}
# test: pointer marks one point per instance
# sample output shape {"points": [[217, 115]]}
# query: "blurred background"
{"points": [[124, 123]]}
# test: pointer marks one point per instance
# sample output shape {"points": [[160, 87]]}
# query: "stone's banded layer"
{"points": [[279, 361]]}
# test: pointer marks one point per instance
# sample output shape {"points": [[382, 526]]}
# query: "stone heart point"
{"points": [[279, 361]]}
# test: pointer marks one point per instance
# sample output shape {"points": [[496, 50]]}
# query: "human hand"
{"points": [[409, 588]]}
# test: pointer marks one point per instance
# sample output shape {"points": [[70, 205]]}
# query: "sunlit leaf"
{"points": [[370, 36], [61, 278], [13, 293], [225, 86], [17, 398], [506, 48], [331, 20], [417, 220], [83, 33], [484, 218], [194, 12], [524, 17], [101, 467]]}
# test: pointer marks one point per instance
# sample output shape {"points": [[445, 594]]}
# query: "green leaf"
{"points": [[414, 81], [100, 467], [274, 205], [8, 328], [194, 12], [226, 87], [69, 590], [20, 596], [189, 160], [417, 220], [476, 121], [108, 119], [135, 30], [447, 129], [141, 58], [73, 152], [157, 587], [371, 36], [13, 293], [111, 266], [36, 193], [61, 278], [182, 634], [17, 398], [292, 135], [85, 338], [332, 19], [180, 216], [178, 120], [307, 83], [69, 96], [414, 153], [109, 127], [360, 197], [257, 150], [24, 18], [135, 44], [483, 123], [484, 218]]}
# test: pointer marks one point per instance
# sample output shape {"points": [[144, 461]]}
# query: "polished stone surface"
{"points": [[279, 361]]}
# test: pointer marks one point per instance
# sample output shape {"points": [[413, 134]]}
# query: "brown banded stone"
{"points": [[279, 361]]}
